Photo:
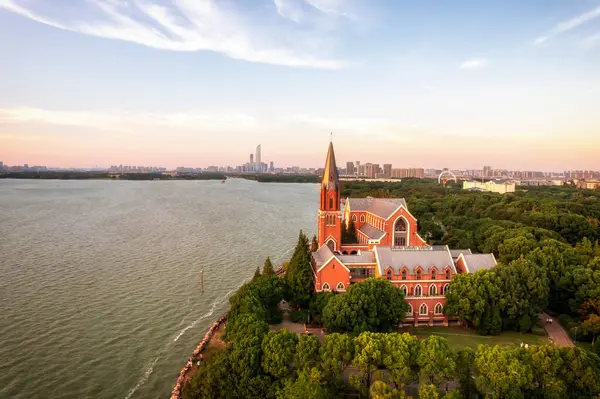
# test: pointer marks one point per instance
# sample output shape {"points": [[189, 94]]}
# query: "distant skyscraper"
{"points": [[487, 171], [251, 166], [258, 160], [271, 167], [387, 170], [350, 168]]}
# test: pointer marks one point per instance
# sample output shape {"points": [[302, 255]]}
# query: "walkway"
{"points": [[555, 332]]}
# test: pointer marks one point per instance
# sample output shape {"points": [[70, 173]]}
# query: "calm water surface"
{"points": [[100, 280]]}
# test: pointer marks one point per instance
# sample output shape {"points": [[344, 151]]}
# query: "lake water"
{"points": [[100, 292]]}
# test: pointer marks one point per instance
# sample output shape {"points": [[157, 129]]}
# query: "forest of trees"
{"points": [[546, 242]]}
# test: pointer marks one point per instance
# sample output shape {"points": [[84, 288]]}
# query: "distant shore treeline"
{"points": [[279, 178], [70, 175]]}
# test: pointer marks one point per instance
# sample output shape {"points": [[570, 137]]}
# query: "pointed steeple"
{"points": [[330, 173]]}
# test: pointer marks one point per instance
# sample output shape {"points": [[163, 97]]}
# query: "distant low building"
{"points": [[494, 186], [589, 184]]}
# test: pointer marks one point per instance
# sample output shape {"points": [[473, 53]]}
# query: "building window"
{"points": [[331, 245], [389, 274], [434, 274], [423, 309], [400, 233], [418, 290], [432, 290], [330, 203], [340, 287], [445, 288], [410, 310], [405, 290], [447, 274], [354, 218], [419, 274], [362, 218], [325, 287], [403, 274], [438, 309]]}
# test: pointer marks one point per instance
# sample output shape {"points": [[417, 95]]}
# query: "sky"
{"points": [[431, 83]]}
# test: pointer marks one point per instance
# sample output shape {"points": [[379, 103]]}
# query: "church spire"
{"points": [[330, 173]]}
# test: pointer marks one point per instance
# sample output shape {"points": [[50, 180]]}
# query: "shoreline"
{"points": [[179, 384]]}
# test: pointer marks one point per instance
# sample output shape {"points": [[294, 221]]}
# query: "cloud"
{"points": [[474, 63], [591, 41], [193, 25], [570, 24], [128, 122]]}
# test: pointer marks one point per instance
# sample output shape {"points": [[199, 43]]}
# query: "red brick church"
{"points": [[389, 246]]}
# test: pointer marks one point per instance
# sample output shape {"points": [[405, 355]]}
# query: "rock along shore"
{"points": [[177, 390]]}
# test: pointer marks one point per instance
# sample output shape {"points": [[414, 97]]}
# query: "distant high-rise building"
{"points": [[271, 167], [387, 170], [350, 168], [258, 160], [251, 161], [487, 171]]}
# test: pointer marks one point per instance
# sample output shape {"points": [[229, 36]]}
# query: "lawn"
{"points": [[459, 337]]}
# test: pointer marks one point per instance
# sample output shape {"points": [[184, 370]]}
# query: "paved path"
{"points": [[555, 332]]}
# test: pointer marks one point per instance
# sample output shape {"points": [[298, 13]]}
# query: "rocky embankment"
{"points": [[177, 391]]}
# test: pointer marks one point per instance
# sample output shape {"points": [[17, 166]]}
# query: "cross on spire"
{"points": [[331, 137]]}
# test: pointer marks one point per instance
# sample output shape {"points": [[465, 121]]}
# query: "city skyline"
{"points": [[428, 84]]}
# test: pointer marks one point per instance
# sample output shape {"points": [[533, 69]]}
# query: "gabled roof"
{"points": [[411, 257], [382, 207], [456, 252], [475, 262], [371, 232], [322, 255], [330, 173]]}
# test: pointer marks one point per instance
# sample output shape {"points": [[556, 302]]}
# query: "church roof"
{"points": [[363, 257], [411, 257], [477, 262], [322, 255], [382, 207], [330, 174], [371, 232], [456, 252]]}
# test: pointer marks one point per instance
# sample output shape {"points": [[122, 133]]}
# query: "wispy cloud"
{"points": [[591, 41], [128, 122], [192, 25], [569, 24], [474, 63]]}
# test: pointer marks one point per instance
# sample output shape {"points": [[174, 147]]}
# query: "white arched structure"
{"points": [[445, 176]]}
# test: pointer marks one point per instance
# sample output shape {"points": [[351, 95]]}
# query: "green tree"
{"points": [[212, 380], [307, 352], [401, 357], [580, 373], [428, 391], [368, 358], [546, 362], [256, 274], [465, 369], [371, 305], [436, 360], [300, 275], [513, 248], [314, 245], [501, 373], [279, 349], [268, 268], [308, 385], [337, 353], [381, 390]]}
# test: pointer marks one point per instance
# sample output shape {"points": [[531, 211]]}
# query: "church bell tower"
{"points": [[330, 215]]}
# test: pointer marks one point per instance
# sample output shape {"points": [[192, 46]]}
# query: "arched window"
{"points": [[353, 253], [434, 274], [410, 310], [354, 218], [445, 288], [340, 287], [405, 290], [389, 274], [438, 309], [403, 274], [418, 290], [326, 287], [331, 245], [362, 218], [432, 290], [447, 274], [344, 252], [419, 274], [400, 232], [423, 309]]}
